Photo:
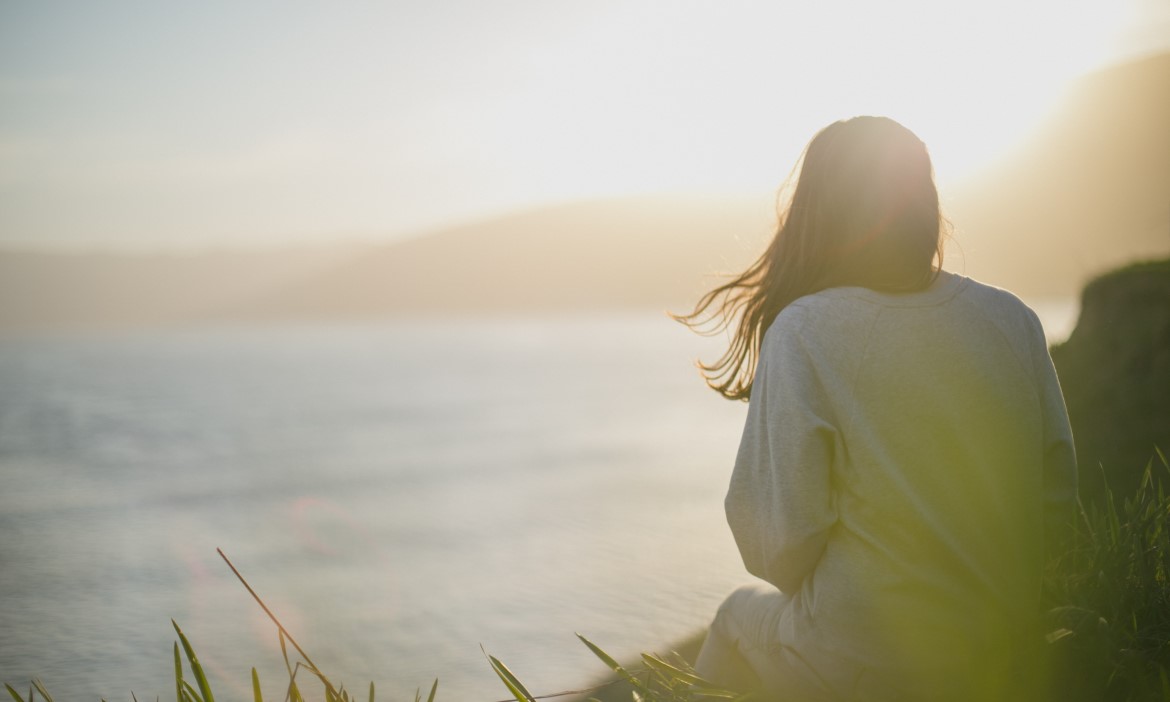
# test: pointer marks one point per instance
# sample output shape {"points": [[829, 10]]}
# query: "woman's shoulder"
{"points": [[993, 295], [814, 315], [846, 313], [1000, 305], [826, 310], [826, 324], [947, 289]]}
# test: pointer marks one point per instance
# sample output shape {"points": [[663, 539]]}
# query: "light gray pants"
{"points": [[742, 651]]}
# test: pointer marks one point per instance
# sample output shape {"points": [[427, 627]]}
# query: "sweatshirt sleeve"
{"points": [[780, 504], [1060, 464]]}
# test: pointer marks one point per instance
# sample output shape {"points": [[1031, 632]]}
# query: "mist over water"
{"points": [[399, 493]]}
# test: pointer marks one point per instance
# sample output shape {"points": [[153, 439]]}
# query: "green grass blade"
{"points": [[338, 693], [705, 692], [713, 694], [1057, 635], [284, 655], [196, 668], [372, 690], [190, 693], [672, 672], [294, 692], [40, 686], [510, 681], [178, 675], [256, 696], [609, 661], [16, 695], [430, 697]]}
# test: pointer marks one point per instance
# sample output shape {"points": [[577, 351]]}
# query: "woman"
{"points": [[907, 457]]}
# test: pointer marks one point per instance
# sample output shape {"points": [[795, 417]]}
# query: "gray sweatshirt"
{"points": [[903, 459]]}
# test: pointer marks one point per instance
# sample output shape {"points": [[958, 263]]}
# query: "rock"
{"points": [[1115, 373]]}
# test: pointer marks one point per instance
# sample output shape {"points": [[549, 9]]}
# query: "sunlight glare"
{"points": [[972, 80]]}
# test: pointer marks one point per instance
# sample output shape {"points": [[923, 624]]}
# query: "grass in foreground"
{"points": [[658, 679], [1109, 641], [1110, 599]]}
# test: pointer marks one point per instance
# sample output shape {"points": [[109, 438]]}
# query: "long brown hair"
{"points": [[864, 212]]}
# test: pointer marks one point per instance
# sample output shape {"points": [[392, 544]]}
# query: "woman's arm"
{"points": [[780, 505], [1061, 504]]}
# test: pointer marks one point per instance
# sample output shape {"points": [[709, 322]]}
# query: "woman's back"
{"points": [[891, 481]]}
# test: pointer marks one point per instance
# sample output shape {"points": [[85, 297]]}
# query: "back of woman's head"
{"points": [[864, 211], [865, 206]]}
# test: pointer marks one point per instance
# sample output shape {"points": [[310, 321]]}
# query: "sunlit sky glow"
{"points": [[148, 126]]}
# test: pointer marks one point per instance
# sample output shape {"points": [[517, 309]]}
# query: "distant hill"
{"points": [[86, 291], [589, 256], [1091, 189], [1088, 191]]}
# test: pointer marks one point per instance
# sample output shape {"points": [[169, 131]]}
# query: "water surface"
{"points": [[400, 493]]}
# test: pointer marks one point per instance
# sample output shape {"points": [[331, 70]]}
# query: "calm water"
{"points": [[399, 493]]}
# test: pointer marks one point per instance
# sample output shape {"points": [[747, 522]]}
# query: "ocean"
{"points": [[406, 496]]}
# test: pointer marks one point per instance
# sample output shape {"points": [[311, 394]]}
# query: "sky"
{"points": [[157, 127]]}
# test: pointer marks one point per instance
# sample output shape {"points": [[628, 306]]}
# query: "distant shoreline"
{"points": [[1058, 315]]}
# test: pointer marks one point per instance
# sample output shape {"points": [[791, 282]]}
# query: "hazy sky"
{"points": [[149, 125]]}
